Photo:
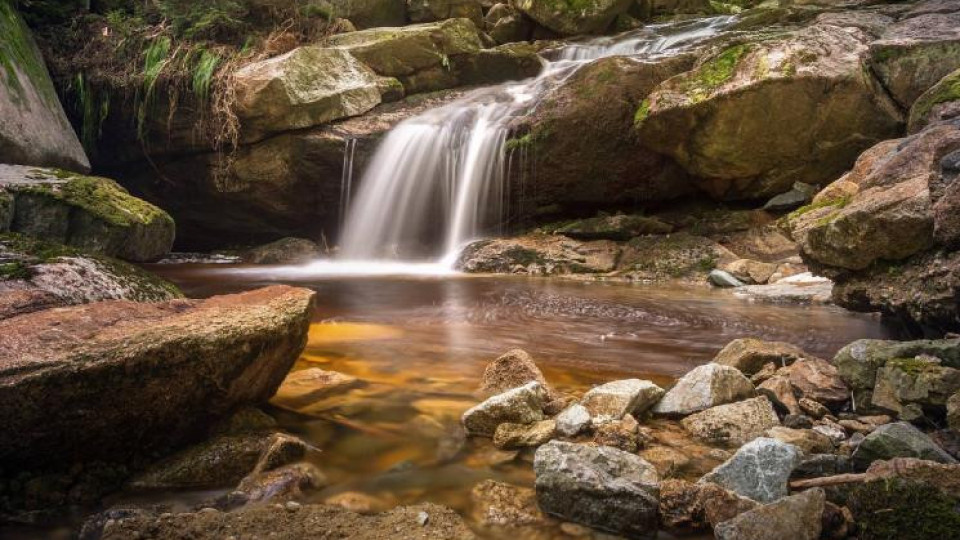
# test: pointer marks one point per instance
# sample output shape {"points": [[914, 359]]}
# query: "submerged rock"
{"points": [[523, 405], [601, 487], [76, 381], [86, 212], [35, 130], [705, 386], [797, 517], [733, 424], [759, 470], [615, 399]]}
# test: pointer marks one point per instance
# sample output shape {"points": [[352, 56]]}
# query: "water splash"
{"points": [[439, 180]]}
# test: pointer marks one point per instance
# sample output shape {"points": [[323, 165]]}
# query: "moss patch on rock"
{"points": [[904, 510]]}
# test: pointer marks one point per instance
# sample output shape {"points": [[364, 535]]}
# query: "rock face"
{"points": [[37, 275], [706, 386], [91, 213], [522, 405], [303, 88], [121, 379], [597, 103], [759, 470], [733, 424], [898, 439], [601, 487], [618, 398], [797, 517], [719, 122], [35, 130], [569, 17]]}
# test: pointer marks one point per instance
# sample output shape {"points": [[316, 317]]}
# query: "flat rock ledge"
{"points": [[113, 380]]}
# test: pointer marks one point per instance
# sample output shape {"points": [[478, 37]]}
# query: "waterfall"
{"points": [[346, 178], [438, 180]]}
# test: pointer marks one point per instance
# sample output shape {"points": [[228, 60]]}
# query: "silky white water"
{"points": [[438, 180]]}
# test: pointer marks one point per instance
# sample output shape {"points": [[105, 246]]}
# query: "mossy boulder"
{"points": [[87, 212], [579, 148], [672, 256], [913, 54], [618, 227], [915, 389], [753, 118], [539, 255], [308, 86], [36, 274], [903, 509], [573, 17], [420, 11], [940, 102], [421, 56], [371, 13], [119, 380], [512, 61], [34, 130]]}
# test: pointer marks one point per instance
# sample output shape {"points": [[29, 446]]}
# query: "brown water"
{"points": [[419, 344]]}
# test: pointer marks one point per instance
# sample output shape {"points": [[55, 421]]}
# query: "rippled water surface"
{"points": [[419, 346]]}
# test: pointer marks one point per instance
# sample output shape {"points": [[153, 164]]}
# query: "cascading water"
{"points": [[440, 177]]}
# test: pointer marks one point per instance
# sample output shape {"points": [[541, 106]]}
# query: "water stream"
{"points": [[439, 180]]}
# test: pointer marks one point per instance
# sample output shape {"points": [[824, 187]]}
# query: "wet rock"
{"points": [[733, 424], [750, 355], [621, 434], [780, 392], [511, 436], [722, 99], [675, 256], [802, 288], [573, 420], [703, 387], [505, 505], [723, 279], [36, 130], [283, 251], [591, 17], [221, 461], [276, 485], [750, 271], [244, 421], [811, 442], [87, 212], [615, 399], [305, 87], [898, 439], [798, 516], [513, 369], [523, 405], [618, 227], [817, 465], [759, 470], [911, 388], [538, 254], [311, 521], [666, 460], [82, 394], [819, 381], [600, 487], [687, 507], [355, 501]]}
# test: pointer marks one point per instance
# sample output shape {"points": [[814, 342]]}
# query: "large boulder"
{"points": [[572, 17], [749, 355], [912, 388], [305, 87], [940, 102], [579, 146], [898, 439], [538, 254], [91, 213], [35, 130], [759, 470], [115, 380], [705, 386], [598, 486], [668, 257], [796, 517], [725, 123], [36, 275], [916, 52], [733, 424]]}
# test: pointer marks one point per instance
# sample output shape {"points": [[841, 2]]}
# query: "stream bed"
{"points": [[419, 344]]}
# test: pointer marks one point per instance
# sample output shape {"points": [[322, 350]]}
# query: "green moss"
{"points": [[911, 366], [101, 197], [945, 91], [15, 270], [519, 142], [18, 55], [839, 203], [524, 256], [715, 72], [903, 510], [642, 113]]}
